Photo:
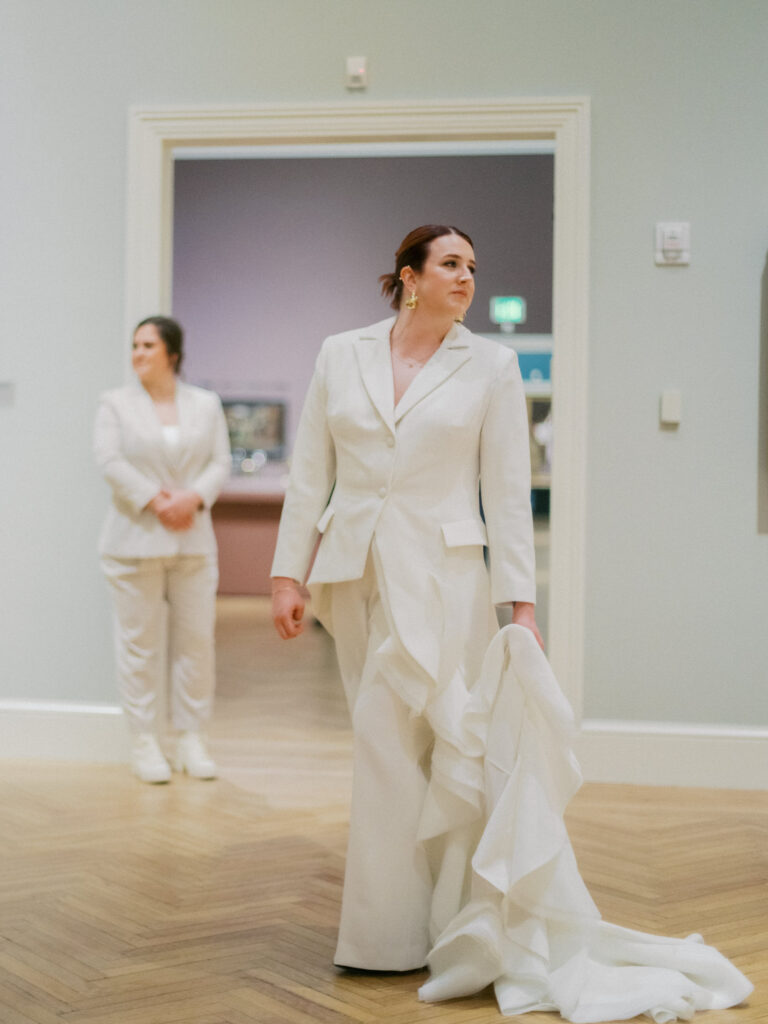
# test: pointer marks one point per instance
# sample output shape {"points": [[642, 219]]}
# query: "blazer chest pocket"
{"points": [[464, 533]]}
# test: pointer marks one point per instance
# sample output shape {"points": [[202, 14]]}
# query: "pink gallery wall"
{"points": [[272, 255]]}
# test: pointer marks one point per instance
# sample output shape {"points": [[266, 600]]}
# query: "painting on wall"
{"points": [[256, 430]]}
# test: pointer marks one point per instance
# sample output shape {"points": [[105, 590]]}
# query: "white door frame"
{"points": [[155, 133]]}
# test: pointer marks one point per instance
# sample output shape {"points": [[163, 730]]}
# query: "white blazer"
{"points": [[137, 463], [413, 475]]}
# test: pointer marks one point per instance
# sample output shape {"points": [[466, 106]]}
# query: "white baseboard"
{"points": [[674, 754], [63, 731], [644, 753]]}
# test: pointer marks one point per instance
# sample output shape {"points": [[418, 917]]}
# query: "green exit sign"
{"points": [[507, 309]]}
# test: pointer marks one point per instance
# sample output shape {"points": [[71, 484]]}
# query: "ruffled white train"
{"points": [[530, 927]]}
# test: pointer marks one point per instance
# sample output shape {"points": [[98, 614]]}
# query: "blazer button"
{"points": [[390, 442], [382, 492]]}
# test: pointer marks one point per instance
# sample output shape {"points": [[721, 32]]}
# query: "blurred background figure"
{"points": [[163, 448]]}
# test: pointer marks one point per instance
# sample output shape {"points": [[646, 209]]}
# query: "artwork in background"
{"points": [[256, 431]]}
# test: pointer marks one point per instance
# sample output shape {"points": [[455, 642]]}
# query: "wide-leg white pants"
{"points": [[387, 885], [140, 587], [477, 842]]}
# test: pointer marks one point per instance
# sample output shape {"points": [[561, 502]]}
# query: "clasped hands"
{"points": [[175, 508]]}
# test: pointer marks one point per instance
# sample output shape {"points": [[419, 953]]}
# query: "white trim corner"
{"points": [[154, 135]]}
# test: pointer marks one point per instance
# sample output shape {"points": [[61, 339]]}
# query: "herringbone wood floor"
{"points": [[216, 903]]}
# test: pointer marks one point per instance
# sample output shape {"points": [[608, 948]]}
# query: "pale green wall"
{"points": [[677, 577]]}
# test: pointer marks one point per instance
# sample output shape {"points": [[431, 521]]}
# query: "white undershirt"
{"points": [[171, 436]]}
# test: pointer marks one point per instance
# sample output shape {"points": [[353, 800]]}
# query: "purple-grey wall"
{"points": [[272, 255]]}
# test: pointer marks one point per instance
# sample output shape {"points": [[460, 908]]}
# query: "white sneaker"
{"points": [[147, 761], [193, 758]]}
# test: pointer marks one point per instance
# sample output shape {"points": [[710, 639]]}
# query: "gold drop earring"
{"points": [[459, 319], [412, 301]]}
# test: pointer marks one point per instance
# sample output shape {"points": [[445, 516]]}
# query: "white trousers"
{"points": [[140, 587], [387, 884]]}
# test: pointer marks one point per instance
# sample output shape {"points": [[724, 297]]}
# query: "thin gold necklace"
{"points": [[411, 363]]}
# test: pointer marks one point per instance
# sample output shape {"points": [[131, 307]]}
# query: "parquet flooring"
{"points": [[216, 903]]}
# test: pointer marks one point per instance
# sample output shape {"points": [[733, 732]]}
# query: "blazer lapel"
{"points": [[185, 410], [145, 410], [166, 458], [373, 359], [453, 353]]}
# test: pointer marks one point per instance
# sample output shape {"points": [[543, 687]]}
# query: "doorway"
{"points": [[155, 134], [275, 251]]}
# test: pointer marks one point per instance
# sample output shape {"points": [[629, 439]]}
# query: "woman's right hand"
{"points": [[287, 607]]}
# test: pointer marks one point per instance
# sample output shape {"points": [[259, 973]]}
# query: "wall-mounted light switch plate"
{"points": [[671, 408], [357, 73], [673, 244]]}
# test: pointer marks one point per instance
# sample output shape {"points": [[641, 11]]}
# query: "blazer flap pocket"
{"points": [[325, 518], [466, 531]]}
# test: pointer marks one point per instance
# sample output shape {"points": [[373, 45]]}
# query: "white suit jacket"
{"points": [[131, 453], [413, 475]]}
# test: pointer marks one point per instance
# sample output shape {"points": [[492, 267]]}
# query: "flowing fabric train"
{"points": [[528, 925]]}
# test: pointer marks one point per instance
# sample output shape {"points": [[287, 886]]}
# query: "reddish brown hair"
{"points": [[413, 253]]}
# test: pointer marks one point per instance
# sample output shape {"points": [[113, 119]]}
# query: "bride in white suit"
{"points": [[163, 448], [458, 858]]}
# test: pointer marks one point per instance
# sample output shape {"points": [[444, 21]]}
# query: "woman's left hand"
{"points": [[524, 614]]}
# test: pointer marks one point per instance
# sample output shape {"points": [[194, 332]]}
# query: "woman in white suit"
{"points": [[163, 448], [457, 854], [404, 425]]}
